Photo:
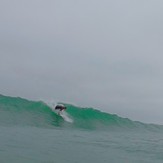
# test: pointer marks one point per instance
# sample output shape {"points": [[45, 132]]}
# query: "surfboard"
{"points": [[65, 116]]}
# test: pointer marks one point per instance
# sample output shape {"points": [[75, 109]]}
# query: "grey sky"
{"points": [[106, 54]]}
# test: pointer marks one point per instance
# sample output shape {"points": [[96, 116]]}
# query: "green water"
{"points": [[31, 132]]}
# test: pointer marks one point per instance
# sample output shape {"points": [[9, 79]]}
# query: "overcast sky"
{"points": [[106, 54]]}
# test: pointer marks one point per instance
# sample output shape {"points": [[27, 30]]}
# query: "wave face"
{"points": [[22, 112]]}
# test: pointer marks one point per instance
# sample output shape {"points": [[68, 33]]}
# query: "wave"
{"points": [[22, 112]]}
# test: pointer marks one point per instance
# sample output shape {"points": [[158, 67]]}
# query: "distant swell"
{"points": [[22, 112]]}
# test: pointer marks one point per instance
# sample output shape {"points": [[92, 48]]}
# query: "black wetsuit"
{"points": [[60, 108]]}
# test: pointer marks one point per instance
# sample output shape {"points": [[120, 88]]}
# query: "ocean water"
{"points": [[31, 132]]}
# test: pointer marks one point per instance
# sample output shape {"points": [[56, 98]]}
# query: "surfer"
{"points": [[60, 110], [60, 107]]}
